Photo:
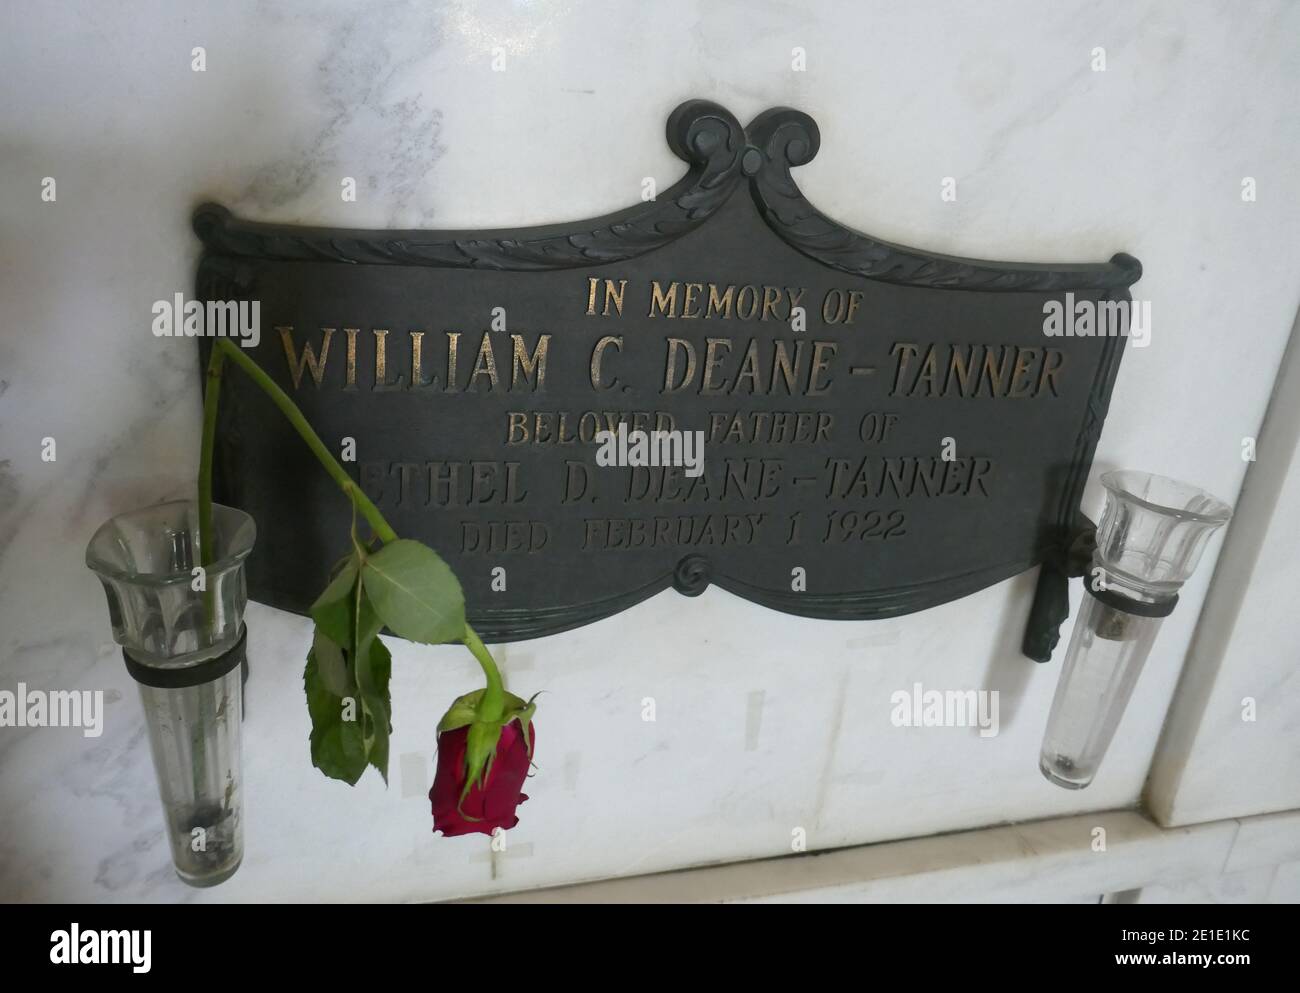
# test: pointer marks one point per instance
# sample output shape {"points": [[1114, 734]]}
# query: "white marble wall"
{"points": [[1054, 162], [1231, 746]]}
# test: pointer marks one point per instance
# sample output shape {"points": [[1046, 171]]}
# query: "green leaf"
{"points": [[337, 745], [373, 677], [333, 665], [332, 610], [339, 686], [365, 624], [415, 593]]}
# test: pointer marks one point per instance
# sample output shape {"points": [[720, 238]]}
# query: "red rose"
{"points": [[487, 806]]}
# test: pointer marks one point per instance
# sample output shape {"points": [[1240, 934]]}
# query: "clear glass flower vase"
{"points": [[183, 642], [1152, 533]]}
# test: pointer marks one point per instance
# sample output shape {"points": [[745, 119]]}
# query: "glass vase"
{"points": [[183, 639], [1152, 533]]}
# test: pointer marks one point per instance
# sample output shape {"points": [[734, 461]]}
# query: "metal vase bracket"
{"points": [[1150, 539]]}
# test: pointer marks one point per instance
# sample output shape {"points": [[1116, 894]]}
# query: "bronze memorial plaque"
{"points": [[879, 429]]}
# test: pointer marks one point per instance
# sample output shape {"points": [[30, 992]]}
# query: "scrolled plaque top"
{"points": [[815, 420]]}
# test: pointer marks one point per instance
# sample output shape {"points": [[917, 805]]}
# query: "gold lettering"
{"points": [[444, 483], [711, 361], [516, 428], [993, 373], [670, 372], [453, 343], [417, 363], [749, 368], [929, 369], [1053, 359], [350, 379], [753, 303], [855, 298], [909, 351], [795, 297], [781, 363], [959, 365], [719, 304], [485, 364], [529, 365], [1020, 379], [597, 356], [381, 364], [820, 365], [308, 358], [691, 303], [615, 295], [666, 303]]}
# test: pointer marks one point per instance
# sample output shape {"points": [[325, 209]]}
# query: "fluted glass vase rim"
{"points": [[245, 534], [1123, 482]]}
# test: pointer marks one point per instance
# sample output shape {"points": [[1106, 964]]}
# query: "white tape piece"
{"points": [[415, 775], [523, 850], [881, 640], [572, 766], [754, 719]]}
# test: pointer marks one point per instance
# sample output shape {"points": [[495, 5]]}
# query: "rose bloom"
{"points": [[493, 805]]}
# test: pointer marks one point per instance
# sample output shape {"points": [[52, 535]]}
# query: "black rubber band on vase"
{"points": [[191, 675], [1138, 608]]}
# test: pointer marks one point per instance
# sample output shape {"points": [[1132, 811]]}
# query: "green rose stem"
{"points": [[492, 704], [211, 396]]}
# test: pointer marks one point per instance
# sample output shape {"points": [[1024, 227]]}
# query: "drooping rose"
{"points": [[490, 803]]}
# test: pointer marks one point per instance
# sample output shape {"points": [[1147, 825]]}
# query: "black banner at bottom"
{"points": [[201, 943]]}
